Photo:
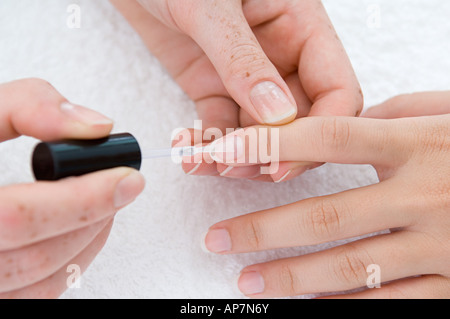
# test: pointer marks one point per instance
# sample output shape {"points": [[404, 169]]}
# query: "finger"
{"points": [[287, 171], [33, 107], [218, 112], [26, 266], [423, 287], [34, 212], [325, 70], [315, 57], [411, 105], [195, 165], [53, 286], [303, 102], [214, 106], [248, 172], [319, 139], [312, 221], [248, 75], [369, 261]]}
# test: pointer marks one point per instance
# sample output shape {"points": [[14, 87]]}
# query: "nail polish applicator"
{"points": [[52, 161]]}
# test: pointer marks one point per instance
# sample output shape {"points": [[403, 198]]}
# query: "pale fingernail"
{"points": [[84, 115], [128, 189], [251, 283], [283, 177], [227, 149], [195, 169], [218, 241], [226, 171], [271, 103]]}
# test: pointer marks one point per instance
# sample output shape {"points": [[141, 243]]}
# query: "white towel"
{"points": [[154, 248]]}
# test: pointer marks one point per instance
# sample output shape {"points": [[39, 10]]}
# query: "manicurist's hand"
{"points": [[411, 155], [45, 227], [247, 62]]}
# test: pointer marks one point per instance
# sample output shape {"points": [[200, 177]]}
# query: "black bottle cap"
{"points": [[55, 160]]}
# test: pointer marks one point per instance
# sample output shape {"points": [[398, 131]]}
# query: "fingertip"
{"points": [[33, 107], [119, 186], [191, 169], [84, 123], [128, 188], [272, 104]]}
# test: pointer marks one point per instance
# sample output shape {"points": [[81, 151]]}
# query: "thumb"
{"points": [[222, 31]]}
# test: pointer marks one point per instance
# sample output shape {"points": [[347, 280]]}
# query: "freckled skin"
{"points": [[45, 225]]}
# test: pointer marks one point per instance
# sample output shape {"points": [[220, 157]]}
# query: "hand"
{"points": [[411, 157], [249, 62], [44, 227]]}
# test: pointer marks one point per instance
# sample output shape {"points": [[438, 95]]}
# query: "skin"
{"points": [[217, 51], [217, 60], [44, 227], [408, 144]]}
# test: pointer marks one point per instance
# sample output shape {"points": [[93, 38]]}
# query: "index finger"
{"points": [[345, 140], [34, 212], [33, 107]]}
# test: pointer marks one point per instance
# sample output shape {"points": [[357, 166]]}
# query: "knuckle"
{"points": [[436, 138], [288, 280], [435, 195], [43, 92], [174, 12], [324, 218], [36, 84], [335, 134], [14, 224], [254, 235], [349, 266], [249, 55]]}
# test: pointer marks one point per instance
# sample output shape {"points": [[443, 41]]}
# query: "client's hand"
{"points": [[411, 156]]}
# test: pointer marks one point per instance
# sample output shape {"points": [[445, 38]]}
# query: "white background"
{"points": [[154, 247]]}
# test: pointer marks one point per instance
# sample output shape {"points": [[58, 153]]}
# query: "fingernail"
{"points": [[128, 189], [271, 103], [218, 241], [227, 149], [251, 283], [195, 169], [84, 115], [283, 177], [226, 171]]}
